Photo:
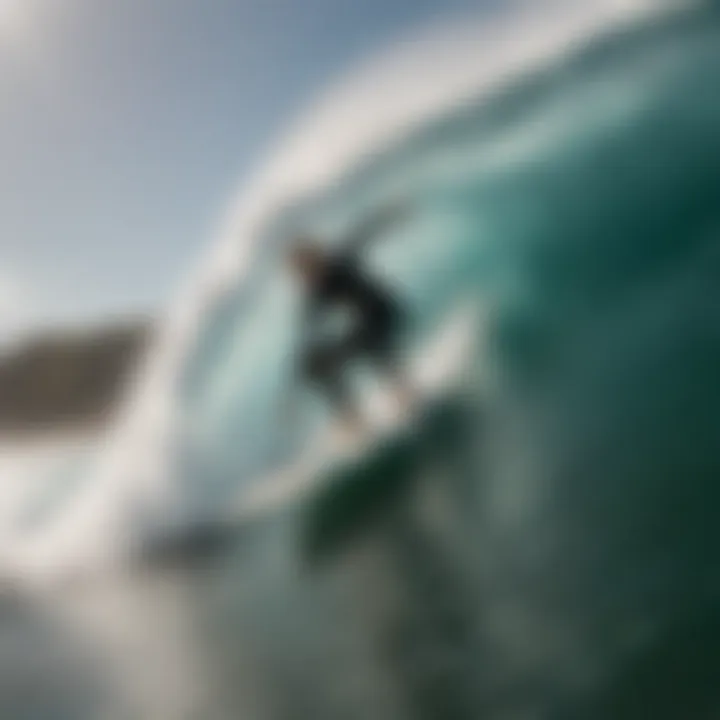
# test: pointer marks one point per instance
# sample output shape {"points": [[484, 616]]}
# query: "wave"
{"points": [[506, 134], [543, 541]]}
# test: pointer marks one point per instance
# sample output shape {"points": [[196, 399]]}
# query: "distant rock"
{"points": [[68, 380]]}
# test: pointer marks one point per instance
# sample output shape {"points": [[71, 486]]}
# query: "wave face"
{"points": [[558, 206], [547, 545], [571, 548]]}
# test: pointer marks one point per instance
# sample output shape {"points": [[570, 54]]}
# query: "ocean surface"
{"points": [[543, 543]]}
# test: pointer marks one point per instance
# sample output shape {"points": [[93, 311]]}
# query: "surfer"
{"points": [[333, 280]]}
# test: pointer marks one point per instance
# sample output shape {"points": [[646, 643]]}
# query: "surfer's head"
{"points": [[307, 257]]}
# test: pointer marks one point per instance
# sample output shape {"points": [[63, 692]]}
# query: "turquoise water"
{"points": [[558, 207], [545, 545], [561, 561]]}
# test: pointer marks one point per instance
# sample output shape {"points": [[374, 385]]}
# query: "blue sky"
{"points": [[126, 126]]}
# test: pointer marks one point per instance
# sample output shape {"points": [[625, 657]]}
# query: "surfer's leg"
{"points": [[384, 350]]}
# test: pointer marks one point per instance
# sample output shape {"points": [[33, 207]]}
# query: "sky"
{"points": [[127, 125]]}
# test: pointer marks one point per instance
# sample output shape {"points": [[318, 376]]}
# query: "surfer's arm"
{"points": [[374, 226]]}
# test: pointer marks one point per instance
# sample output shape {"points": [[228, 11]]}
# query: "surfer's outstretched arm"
{"points": [[371, 228]]}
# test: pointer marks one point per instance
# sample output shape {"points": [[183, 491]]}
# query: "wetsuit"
{"points": [[377, 313]]}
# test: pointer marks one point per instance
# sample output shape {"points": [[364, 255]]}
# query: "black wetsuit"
{"points": [[376, 311]]}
